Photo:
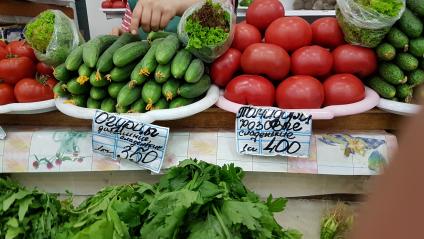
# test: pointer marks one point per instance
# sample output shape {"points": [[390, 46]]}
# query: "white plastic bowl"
{"points": [[167, 114], [398, 107], [28, 108], [371, 100]]}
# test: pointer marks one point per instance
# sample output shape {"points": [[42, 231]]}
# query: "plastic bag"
{"points": [[64, 39], [364, 26], [207, 52]]}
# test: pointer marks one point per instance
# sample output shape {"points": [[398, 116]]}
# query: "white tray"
{"points": [[28, 108], [398, 107], [167, 114]]}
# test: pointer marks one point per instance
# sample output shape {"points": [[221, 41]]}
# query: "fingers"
{"points": [[155, 21], [136, 18], [165, 20], [116, 31], [146, 18]]}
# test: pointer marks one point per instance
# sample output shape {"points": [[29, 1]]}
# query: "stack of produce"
{"points": [[114, 4], [23, 79], [126, 75], [401, 55], [195, 200]]}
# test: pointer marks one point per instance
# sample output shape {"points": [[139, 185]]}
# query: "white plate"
{"points": [[28, 108], [398, 107], [167, 114]]}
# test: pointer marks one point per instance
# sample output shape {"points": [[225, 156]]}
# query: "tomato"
{"points": [[30, 90], [107, 4], [44, 69], [250, 90], [300, 92], [21, 48], [291, 33], [118, 5], [311, 60], [6, 94], [268, 59], [355, 60], [3, 53], [14, 69], [326, 32], [3, 43], [261, 13], [343, 89], [223, 68], [245, 35]]}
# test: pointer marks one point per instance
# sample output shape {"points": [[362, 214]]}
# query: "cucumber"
{"points": [[139, 106], [95, 47], [84, 70], [76, 88], [78, 100], [398, 39], [190, 91], [157, 35], [108, 105], [93, 104], [195, 71], [416, 47], [392, 74], [128, 95], [410, 24], [406, 61], [404, 91], [74, 59], [61, 73], [162, 73], [180, 63], [59, 90], [386, 52], [130, 52], [146, 66], [98, 93], [170, 89], [180, 101], [151, 93], [122, 109], [167, 49], [98, 80], [119, 74], [416, 77], [114, 88], [161, 104], [417, 6], [105, 62], [383, 88]]}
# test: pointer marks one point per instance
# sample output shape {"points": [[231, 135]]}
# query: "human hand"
{"points": [[117, 31]]}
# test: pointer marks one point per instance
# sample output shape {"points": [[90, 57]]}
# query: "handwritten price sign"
{"points": [[272, 131], [121, 138]]}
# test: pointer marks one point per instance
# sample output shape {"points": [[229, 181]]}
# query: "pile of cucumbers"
{"points": [[126, 75], [401, 58]]}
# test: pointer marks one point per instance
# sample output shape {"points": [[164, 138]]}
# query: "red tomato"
{"points": [[343, 89], [268, 59], [21, 48], [326, 32], [300, 92], [14, 69], [311, 60], [245, 35], [355, 60], [6, 94], [3, 43], [223, 68], [30, 90], [290, 33], [44, 69], [107, 4], [251, 90], [261, 13], [118, 5], [3, 53]]}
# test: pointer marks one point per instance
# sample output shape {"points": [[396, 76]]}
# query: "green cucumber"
{"points": [[114, 88], [190, 91], [146, 66], [119, 74], [98, 93], [108, 105], [398, 39], [138, 106], [386, 52], [74, 59], [170, 89], [157, 35], [162, 73], [416, 77], [98, 80], [122, 109], [195, 71], [410, 24], [84, 70], [128, 95], [179, 102], [130, 52], [406, 61], [93, 104], [404, 91], [161, 104], [392, 74], [416, 47], [76, 88], [78, 100], [105, 62], [59, 90], [95, 47], [180, 63], [61, 73], [151, 93], [167, 49], [383, 88], [417, 6]]}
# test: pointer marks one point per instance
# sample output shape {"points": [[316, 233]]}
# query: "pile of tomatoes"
{"points": [[114, 4], [285, 61], [22, 78]]}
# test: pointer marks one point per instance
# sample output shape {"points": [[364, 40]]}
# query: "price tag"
{"points": [[121, 138], [272, 131]]}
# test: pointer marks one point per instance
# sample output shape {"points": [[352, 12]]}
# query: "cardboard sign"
{"points": [[121, 138], [272, 131]]}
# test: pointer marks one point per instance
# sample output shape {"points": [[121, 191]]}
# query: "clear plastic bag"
{"points": [[364, 26], [64, 39], [208, 52]]}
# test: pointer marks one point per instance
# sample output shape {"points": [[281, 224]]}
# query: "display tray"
{"points": [[398, 107], [206, 102], [371, 100], [28, 108]]}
